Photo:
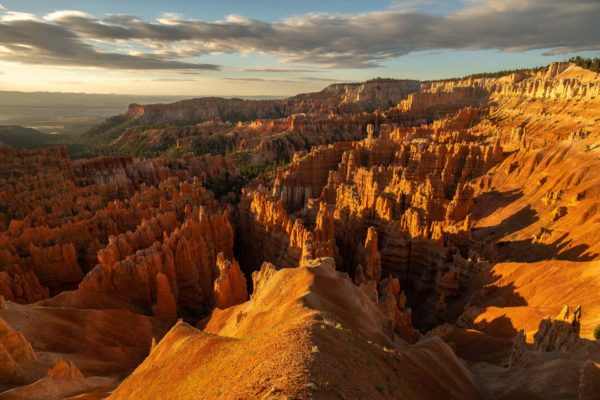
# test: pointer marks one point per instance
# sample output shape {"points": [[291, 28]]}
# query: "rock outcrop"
{"points": [[166, 303], [186, 257], [230, 285], [560, 333], [63, 217], [409, 196], [21, 287], [62, 370], [370, 258], [312, 314], [121, 246], [15, 352], [392, 302]]}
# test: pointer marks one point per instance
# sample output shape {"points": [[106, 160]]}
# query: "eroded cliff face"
{"points": [[397, 204], [435, 229], [531, 110], [344, 98], [268, 130], [464, 212], [184, 250], [59, 215], [122, 246], [265, 140]]}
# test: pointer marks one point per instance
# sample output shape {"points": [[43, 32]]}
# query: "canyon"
{"points": [[409, 240]]}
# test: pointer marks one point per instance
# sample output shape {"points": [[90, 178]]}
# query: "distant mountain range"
{"points": [[70, 113]]}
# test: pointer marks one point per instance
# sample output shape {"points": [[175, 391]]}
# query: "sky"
{"points": [[278, 48]]}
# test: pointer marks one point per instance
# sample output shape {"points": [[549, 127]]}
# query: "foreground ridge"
{"points": [[312, 333]]}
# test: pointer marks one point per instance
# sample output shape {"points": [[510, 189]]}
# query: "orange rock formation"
{"points": [[230, 285], [414, 247], [316, 318]]}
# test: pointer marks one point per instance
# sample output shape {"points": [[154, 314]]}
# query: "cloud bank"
{"points": [[322, 40]]}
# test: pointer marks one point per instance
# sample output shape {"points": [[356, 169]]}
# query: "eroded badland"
{"points": [[425, 240]]}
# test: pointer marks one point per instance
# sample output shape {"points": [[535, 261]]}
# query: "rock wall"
{"points": [[343, 98]]}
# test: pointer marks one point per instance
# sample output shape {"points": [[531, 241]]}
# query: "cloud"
{"points": [[302, 79], [27, 39], [310, 78], [407, 6], [279, 70], [11, 16], [172, 80], [326, 40], [252, 80]]}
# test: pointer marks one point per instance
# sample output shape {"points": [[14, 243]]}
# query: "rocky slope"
{"points": [[422, 242], [470, 213], [514, 107], [122, 246], [310, 324]]}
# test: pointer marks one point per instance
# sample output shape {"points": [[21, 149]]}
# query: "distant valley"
{"points": [[67, 113]]}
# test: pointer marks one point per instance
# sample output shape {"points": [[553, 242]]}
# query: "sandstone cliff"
{"points": [[346, 98]]}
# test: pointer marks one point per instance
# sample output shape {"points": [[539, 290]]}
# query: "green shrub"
{"points": [[597, 332], [593, 64]]}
